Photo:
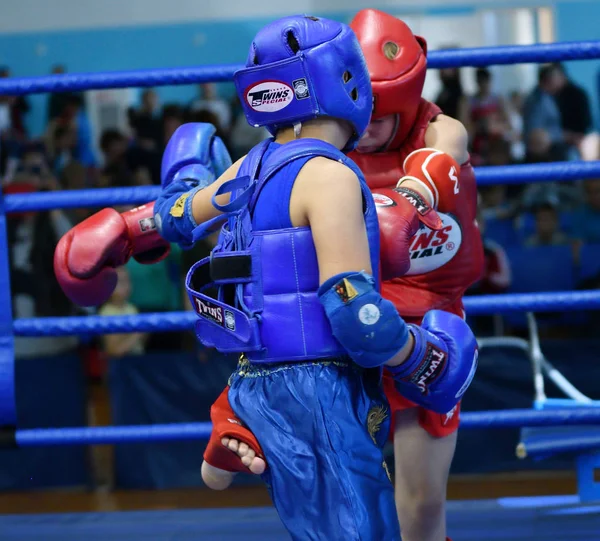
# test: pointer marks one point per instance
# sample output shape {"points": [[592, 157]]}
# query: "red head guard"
{"points": [[397, 62]]}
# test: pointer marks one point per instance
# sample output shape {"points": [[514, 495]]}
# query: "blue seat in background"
{"points": [[544, 268], [501, 231], [589, 264]]}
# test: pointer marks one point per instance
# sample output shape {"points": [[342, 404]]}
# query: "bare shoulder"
{"points": [[325, 187], [329, 175], [448, 135]]}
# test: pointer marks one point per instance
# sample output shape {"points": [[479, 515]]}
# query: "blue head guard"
{"points": [[300, 68]]}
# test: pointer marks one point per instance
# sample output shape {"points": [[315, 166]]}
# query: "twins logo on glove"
{"points": [[430, 250], [430, 369]]}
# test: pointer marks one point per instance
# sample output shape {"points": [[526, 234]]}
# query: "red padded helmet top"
{"points": [[397, 62]]}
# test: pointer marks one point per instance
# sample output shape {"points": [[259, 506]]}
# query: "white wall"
{"points": [[34, 15]]}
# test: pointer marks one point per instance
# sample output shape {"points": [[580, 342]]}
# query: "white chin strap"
{"points": [[297, 129]]}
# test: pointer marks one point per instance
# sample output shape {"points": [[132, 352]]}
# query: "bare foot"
{"points": [[218, 479]]}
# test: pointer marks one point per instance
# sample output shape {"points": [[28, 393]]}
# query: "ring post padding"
{"points": [[8, 410]]}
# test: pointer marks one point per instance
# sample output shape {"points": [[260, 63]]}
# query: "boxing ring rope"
{"points": [[181, 321], [475, 57], [177, 321], [201, 431], [106, 197]]}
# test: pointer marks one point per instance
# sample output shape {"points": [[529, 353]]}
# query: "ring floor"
{"points": [[556, 518]]}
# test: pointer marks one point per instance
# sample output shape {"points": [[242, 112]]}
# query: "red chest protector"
{"points": [[443, 263]]}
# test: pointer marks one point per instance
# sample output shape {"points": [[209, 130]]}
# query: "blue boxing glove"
{"points": [[442, 364], [194, 158]]}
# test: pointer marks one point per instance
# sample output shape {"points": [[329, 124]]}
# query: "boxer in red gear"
{"points": [[410, 143]]}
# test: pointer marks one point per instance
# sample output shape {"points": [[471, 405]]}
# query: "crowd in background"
{"points": [[542, 124]]}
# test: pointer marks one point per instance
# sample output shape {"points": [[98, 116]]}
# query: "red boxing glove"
{"points": [[432, 169], [227, 425], [400, 212], [86, 257]]}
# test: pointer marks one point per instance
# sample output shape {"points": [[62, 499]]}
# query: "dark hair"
{"points": [[109, 137], [499, 145], [60, 131], [546, 72], [172, 110], [545, 206], [483, 75]]}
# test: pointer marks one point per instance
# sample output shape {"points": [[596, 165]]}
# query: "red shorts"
{"points": [[436, 424]]}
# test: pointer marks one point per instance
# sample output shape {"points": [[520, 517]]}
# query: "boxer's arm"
{"points": [[450, 136], [330, 199], [327, 196], [426, 170], [202, 208]]}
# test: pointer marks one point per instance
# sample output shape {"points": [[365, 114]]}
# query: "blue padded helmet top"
{"points": [[300, 68]]}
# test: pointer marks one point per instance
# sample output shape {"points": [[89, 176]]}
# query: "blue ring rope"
{"points": [[482, 56], [107, 197], [182, 321], [201, 431]]}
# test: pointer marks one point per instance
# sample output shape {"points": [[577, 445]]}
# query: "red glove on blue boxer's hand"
{"points": [[86, 257]]}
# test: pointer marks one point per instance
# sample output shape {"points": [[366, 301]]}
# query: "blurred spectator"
{"points": [[61, 147], [209, 100], [243, 135], [586, 220], [452, 99], [547, 228], [589, 147], [496, 278], [18, 108], [58, 101], [5, 105], [116, 170], [542, 115], [499, 152], [488, 117], [74, 177], [114, 148], [9, 145], [146, 123], [514, 113], [172, 118], [497, 275], [574, 106], [32, 238], [158, 288], [119, 345], [539, 146], [74, 118], [495, 203]]}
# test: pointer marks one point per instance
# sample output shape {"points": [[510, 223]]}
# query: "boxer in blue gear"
{"points": [[291, 285], [297, 213]]}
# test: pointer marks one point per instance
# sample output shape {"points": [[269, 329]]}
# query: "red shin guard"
{"points": [[227, 425]]}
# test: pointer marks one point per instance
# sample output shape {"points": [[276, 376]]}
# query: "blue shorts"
{"points": [[322, 426]]}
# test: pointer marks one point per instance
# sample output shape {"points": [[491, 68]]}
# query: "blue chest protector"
{"points": [[257, 292]]}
